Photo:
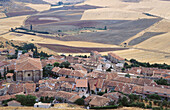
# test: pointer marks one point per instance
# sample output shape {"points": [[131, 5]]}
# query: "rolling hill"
{"points": [[143, 26]]}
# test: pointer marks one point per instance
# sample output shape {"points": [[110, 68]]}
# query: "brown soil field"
{"points": [[35, 20], [20, 13], [68, 49]]}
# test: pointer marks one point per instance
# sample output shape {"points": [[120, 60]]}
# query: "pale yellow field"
{"points": [[28, 38], [134, 10], [144, 56], [39, 7], [160, 43], [8, 23], [112, 14]]}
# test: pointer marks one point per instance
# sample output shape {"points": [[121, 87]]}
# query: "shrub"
{"points": [[100, 93], [79, 101], [28, 100], [154, 96]]}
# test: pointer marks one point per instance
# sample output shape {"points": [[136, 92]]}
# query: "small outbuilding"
{"points": [[42, 105], [14, 103]]}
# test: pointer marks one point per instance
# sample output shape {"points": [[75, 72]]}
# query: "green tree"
{"points": [[162, 81], [56, 64], [127, 75], [154, 96], [0, 75], [27, 100], [65, 64], [123, 101], [79, 101]]}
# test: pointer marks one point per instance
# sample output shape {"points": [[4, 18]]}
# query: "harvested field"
{"points": [[143, 56], [35, 20], [61, 15], [144, 37], [8, 23], [68, 49], [37, 39], [117, 30], [20, 13], [81, 7], [113, 14], [39, 7], [159, 43]]}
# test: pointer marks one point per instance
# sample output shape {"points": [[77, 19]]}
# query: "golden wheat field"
{"points": [[8, 23], [39, 7]]}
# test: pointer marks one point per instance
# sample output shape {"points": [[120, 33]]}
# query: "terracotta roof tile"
{"points": [[81, 83], [28, 64], [99, 101], [116, 56]]}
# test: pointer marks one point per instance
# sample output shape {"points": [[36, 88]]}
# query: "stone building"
{"points": [[115, 58], [28, 69]]}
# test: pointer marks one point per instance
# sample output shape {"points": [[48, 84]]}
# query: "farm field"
{"points": [[143, 26], [144, 56], [8, 23], [38, 7], [70, 49], [37, 39]]}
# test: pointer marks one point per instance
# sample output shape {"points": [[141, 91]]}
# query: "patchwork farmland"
{"points": [[104, 25]]}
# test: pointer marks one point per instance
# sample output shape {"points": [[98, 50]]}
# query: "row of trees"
{"points": [[29, 47], [162, 81], [135, 63]]}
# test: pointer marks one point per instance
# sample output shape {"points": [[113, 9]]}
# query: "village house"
{"points": [[115, 58], [42, 105], [64, 72], [9, 77], [14, 103], [95, 55], [161, 91], [6, 97], [3, 89], [82, 86], [99, 101], [151, 72], [113, 96], [23, 88], [28, 69], [66, 97], [12, 52], [3, 67]]}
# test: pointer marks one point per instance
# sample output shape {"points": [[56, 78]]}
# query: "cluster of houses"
{"points": [[85, 77]]}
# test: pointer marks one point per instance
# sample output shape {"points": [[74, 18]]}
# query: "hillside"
{"points": [[143, 26]]}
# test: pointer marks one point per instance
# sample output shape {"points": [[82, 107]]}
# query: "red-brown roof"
{"points": [[10, 74], [81, 83], [28, 64], [116, 56], [99, 101]]}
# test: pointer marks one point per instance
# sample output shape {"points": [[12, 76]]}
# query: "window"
{"points": [[29, 75]]}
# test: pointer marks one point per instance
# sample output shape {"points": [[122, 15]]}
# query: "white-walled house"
{"points": [[42, 105]]}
